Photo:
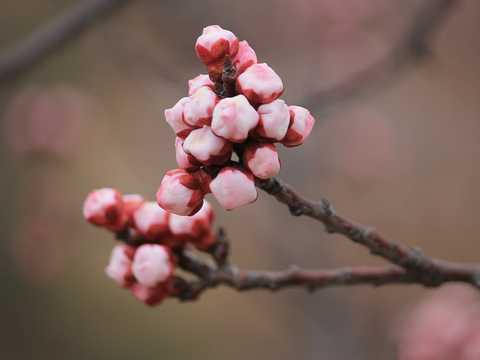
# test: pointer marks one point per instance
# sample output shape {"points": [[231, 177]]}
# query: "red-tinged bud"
{"points": [[199, 107], [182, 192], [198, 82], [262, 159], [301, 124], [245, 57], [175, 118], [213, 45], [151, 221], [104, 207], [192, 228], [234, 188], [149, 296], [120, 265], [184, 160], [208, 148], [132, 202], [274, 121], [152, 265], [233, 118], [260, 84]]}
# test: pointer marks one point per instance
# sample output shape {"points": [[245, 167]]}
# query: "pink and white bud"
{"points": [[245, 57], [132, 202], [213, 45], [274, 120], [104, 207], [208, 148], [198, 82], [260, 84], [184, 160], [119, 268], [301, 124], [192, 228], [151, 221], [175, 118], [150, 296], [199, 107], [233, 118], [234, 188], [262, 159], [182, 192], [152, 265]]}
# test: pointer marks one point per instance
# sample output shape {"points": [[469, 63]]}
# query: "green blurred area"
{"points": [[404, 159]]}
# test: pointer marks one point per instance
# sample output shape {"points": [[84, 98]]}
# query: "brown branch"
{"points": [[433, 272], [56, 33], [413, 47]]}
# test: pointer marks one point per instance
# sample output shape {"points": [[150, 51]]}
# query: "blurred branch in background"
{"points": [[54, 34], [414, 47]]}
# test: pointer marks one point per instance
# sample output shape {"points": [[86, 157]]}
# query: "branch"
{"points": [[410, 50], [58, 32]]}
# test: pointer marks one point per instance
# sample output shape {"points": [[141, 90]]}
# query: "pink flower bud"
{"points": [[233, 118], [207, 147], [301, 124], [262, 159], [184, 160], [182, 192], [260, 84], [150, 296], [104, 207], [175, 118], [274, 120], [213, 45], [152, 265], [234, 188], [151, 221], [132, 202], [198, 82], [120, 265], [245, 57], [192, 228], [199, 107]]}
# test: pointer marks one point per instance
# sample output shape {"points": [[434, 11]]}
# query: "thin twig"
{"points": [[51, 36]]}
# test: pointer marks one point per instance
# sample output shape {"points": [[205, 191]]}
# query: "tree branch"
{"points": [[53, 35], [410, 50]]}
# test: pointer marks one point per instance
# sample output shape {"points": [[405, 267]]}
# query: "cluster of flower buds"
{"points": [[146, 269], [234, 109]]}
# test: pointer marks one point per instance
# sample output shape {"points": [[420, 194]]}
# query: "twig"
{"points": [[410, 50], [53, 35]]}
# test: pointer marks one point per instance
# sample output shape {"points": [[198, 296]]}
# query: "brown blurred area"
{"points": [[403, 158]]}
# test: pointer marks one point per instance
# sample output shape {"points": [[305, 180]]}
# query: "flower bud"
{"points": [[150, 296], [234, 188], [120, 265], [184, 160], [104, 207], [199, 107], [182, 192], [193, 228], [274, 120], [151, 221], [262, 159], [245, 57], [213, 45], [175, 118], [301, 124], [198, 82], [152, 265], [233, 118], [260, 84], [208, 148], [132, 202]]}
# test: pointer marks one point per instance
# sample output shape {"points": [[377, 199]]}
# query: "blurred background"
{"points": [[402, 157]]}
